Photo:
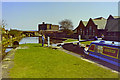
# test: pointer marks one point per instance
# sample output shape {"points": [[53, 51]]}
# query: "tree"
{"points": [[4, 33], [4, 23], [66, 26], [15, 33]]}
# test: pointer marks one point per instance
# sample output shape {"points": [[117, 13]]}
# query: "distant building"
{"points": [[44, 26], [80, 29], [92, 28], [109, 27], [113, 28]]}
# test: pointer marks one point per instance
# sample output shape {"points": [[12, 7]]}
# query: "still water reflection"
{"points": [[29, 40], [24, 41]]}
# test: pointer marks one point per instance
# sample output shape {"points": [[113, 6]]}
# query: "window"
{"points": [[92, 47], [100, 49], [83, 32], [80, 31], [93, 32], [90, 30], [87, 31]]}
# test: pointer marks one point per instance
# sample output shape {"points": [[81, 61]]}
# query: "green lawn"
{"points": [[43, 62], [86, 43], [70, 40]]}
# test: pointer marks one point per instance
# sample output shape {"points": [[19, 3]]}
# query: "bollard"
{"points": [[79, 39], [48, 41]]}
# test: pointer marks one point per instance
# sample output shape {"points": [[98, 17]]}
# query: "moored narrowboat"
{"points": [[107, 51]]}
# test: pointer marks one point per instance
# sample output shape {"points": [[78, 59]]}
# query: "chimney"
{"points": [[43, 22]]}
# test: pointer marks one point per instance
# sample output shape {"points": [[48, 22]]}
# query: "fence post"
{"points": [[48, 41], [79, 39]]}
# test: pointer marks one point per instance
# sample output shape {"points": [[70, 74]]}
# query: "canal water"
{"points": [[8, 49], [24, 41], [29, 40]]}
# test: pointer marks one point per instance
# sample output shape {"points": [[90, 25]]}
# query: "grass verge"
{"points": [[70, 40], [86, 43], [44, 62]]}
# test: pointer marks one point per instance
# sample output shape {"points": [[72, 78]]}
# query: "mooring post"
{"points": [[79, 39], [48, 41]]}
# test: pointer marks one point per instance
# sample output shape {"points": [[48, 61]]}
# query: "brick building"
{"points": [[112, 28], [109, 27], [44, 26], [80, 29], [94, 27]]}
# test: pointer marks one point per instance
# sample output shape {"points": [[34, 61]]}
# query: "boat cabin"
{"points": [[108, 51]]}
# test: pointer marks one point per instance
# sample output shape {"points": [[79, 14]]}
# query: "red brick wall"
{"points": [[91, 32], [81, 28]]}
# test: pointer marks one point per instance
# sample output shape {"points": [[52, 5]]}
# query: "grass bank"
{"points": [[86, 43], [70, 40], [34, 61]]}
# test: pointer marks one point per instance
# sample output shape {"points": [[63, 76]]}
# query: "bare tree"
{"points": [[66, 24], [4, 23]]}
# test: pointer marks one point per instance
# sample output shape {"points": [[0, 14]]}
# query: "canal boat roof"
{"points": [[108, 43]]}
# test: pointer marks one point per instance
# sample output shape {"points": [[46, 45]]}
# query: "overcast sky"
{"points": [[27, 15]]}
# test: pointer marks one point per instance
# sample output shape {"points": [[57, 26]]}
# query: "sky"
{"points": [[27, 15]]}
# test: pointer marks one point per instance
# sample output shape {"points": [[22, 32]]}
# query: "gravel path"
{"points": [[7, 63]]}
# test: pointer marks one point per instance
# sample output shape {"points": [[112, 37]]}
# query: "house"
{"points": [[100, 26], [80, 29], [92, 28], [109, 27], [44, 26], [113, 28]]}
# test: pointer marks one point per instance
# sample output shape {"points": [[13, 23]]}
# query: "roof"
{"points": [[113, 17], [75, 29], [100, 23], [110, 17], [107, 42], [55, 25], [85, 22], [112, 25], [99, 18], [116, 17]]}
